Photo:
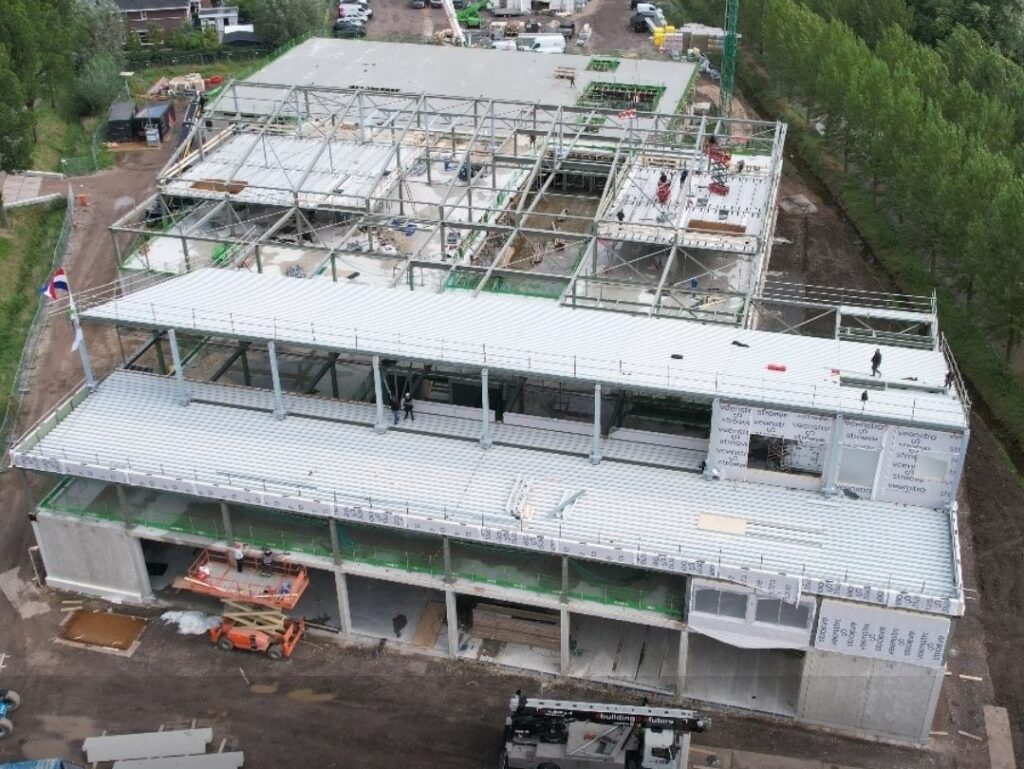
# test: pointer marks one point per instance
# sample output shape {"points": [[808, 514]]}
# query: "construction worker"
{"points": [[267, 562], [238, 553], [664, 188], [395, 407], [876, 362], [407, 405], [949, 379]]}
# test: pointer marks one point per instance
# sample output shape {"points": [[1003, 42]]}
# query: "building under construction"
{"points": [[626, 455]]}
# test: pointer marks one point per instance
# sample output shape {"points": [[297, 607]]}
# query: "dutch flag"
{"points": [[59, 282]]}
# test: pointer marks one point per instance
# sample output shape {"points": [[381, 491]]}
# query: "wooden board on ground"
{"points": [[501, 623], [117, 747], [429, 627], [1000, 743]]}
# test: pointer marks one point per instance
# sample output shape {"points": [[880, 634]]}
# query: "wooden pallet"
{"points": [[532, 628]]}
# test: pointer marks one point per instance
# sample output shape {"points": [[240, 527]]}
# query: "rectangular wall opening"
{"points": [[785, 455], [623, 653], [400, 613], [513, 634]]}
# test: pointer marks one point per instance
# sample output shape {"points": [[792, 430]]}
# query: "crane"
{"points": [[580, 734], [453, 22], [727, 86]]}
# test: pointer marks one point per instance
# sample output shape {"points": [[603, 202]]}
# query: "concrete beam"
{"points": [[453, 623]]}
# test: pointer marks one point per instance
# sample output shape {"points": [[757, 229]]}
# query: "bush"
{"points": [[96, 86]]}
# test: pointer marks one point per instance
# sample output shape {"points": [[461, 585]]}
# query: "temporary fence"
{"points": [[95, 159], [26, 364]]}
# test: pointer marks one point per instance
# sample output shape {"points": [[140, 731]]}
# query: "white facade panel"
{"points": [[896, 636]]}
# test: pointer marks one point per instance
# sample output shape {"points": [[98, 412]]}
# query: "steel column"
{"points": [[275, 376], [485, 402], [179, 374], [378, 395], [595, 454], [452, 618]]}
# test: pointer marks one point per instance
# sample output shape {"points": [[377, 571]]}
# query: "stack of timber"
{"points": [[503, 623]]}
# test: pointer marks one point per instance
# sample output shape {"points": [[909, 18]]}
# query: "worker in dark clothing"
{"points": [[407, 405], [395, 407], [949, 379], [267, 562], [621, 216], [876, 363]]}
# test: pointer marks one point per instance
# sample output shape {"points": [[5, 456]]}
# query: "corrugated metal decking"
{"points": [[134, 425], [115, 747], [537, 337]]}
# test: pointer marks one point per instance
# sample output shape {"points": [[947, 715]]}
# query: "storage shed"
{"points": [[120, 121], [159, 115]]}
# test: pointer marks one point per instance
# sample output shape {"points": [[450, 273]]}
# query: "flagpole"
{"points": [[79, 340]]}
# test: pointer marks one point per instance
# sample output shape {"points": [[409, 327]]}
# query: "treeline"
{"points": [[935, 135], [999, 22], [63, 52]]}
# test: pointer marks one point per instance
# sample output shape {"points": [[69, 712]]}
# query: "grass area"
{"points": [[60, 137], [143, 79], [26, 254]]}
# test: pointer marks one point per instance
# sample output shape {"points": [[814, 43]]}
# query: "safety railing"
{"points": [[768, 388]]}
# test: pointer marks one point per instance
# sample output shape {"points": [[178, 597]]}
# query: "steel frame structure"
{"points": [[520, 158]]}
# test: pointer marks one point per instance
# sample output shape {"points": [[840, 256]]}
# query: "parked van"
{"points": [[553, 43], [504, 45]]}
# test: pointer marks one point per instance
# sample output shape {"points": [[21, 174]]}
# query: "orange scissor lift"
{"points": [[255, 600]]}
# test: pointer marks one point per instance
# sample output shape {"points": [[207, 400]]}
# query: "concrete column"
{"points": [[485, 402], [830, 472], [564, 646], [446, 549], [595, 454], [344, 612], [179, 374], [30, 498], [684, 653], [378, 396], [122, 501], [275, 377], [335, 545], [565, 579], [225, 517], [453, 623]]}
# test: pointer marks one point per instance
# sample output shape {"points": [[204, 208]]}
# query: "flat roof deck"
{"points": [[538, 337], [288, 170], [133, 430], [434, 69]]}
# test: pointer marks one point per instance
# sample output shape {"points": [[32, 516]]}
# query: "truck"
{"points": [[9, 702], [555, 734], [544, 43]]}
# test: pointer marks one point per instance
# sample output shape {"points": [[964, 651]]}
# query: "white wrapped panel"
{"points": [[885, 634]]}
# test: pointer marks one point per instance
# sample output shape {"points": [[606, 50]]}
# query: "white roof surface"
{"points": [[434, 69], [271, 168], [226, 444], [538, 337]]}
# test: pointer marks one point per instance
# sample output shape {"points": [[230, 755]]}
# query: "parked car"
{"points": [[354, 11], [417, 4], [458, 4], [349, 28], [567, 28], [435, 3]]}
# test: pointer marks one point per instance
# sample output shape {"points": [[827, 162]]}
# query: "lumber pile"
{"points": [[502, 623], [725, 228]]}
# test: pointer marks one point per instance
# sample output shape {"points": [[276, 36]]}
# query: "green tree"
{"points": [[279, 21], [1001, 265], [15, 121], [96, 85]]}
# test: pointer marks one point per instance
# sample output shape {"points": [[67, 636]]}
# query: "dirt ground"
{"points": [[347, 707]]}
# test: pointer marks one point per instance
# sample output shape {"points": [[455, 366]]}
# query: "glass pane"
{"points": [[706, 601], [732, 605], [795, 616], [768, 610]]}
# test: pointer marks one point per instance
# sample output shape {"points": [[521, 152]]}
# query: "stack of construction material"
{"points": [[502, 623]]}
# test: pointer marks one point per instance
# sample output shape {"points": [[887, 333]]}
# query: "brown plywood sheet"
{"points": [[103, 629]]}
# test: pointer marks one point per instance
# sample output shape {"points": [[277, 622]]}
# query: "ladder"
{"points": [[718, 166]]}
